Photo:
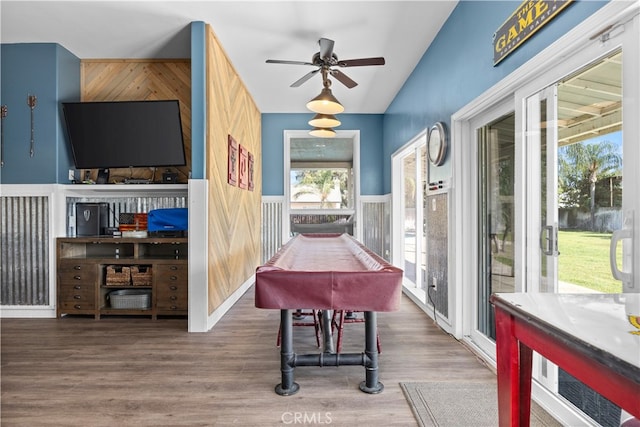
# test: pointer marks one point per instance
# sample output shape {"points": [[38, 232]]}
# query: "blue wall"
{"points": [[198, 101], [458, 67], [68, 88], [52, 74], [274, 125]]}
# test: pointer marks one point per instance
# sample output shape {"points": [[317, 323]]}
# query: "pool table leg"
{"points": [[371, 384], [327, 333], [287, 387]]}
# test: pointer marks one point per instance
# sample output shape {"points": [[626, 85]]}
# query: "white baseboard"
{"points": [[16, 311], [229, 302]]}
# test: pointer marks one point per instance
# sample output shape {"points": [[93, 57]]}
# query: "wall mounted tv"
{"points": [[121, 134]]}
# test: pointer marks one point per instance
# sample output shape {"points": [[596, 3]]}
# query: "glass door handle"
{"points": [[545, 241], [549, 240], [624, 233]]}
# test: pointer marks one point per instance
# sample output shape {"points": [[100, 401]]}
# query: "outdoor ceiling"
{"points": [[590, 102], [321, 150]]}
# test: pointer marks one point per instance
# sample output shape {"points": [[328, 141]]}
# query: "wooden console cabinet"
{"points": [[83, 287]]}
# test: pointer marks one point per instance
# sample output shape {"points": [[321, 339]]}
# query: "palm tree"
{"points": [[587, 162], [320, 182]]}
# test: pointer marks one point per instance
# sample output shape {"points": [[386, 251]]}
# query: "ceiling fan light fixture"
{"points": [[322, 132], [325, 103], [324, 121]]}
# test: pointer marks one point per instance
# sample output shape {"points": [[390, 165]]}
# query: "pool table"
{"points": [[327, 272]]}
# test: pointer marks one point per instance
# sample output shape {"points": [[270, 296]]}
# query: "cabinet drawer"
{"points": [[79, 296], [172, 296], [168, 306], [171, 273], [78, 289], [168, 289], [69, 307], [74, 272]]}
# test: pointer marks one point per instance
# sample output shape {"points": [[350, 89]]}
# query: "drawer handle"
{"points": [[77, 306], [173, 307], [77, 297], [173, 288], [173, 297], [77, 267], [174, 277], [173, 267], [77, 277], [77, 287]]}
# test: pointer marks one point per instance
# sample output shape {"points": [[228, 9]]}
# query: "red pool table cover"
{"points": [[328, 271]]}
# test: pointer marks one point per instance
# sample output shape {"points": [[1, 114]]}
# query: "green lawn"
{"points": [[584, 260]]}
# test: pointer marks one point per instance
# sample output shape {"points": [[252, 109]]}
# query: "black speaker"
{"points": [[91, 219], [103, 176]]}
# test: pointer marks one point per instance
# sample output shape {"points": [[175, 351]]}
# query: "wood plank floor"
{"points": [[135, 371]]}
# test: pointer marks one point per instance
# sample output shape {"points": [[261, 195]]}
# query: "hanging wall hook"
{"points": [[31, 102]]}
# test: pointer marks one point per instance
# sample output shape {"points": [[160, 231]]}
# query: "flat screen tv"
{"points": [[121, 134]]}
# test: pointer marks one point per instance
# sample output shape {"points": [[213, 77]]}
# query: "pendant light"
{"points": [[322, 132], [324, 121], [325, 103]]}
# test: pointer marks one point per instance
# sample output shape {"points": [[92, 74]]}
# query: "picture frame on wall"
{"points": [[243, 168], [232, 170], [250, 171]]}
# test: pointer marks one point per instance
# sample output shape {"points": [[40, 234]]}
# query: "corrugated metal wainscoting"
{"points": [[271, 227], [118, 205], [437, 219], [25, 240], [376, 227], [24, 252]]}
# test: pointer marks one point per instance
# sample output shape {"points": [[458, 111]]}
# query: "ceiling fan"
{"points": [[325, 60]]}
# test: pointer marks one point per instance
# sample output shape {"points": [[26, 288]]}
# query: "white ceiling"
{"points": [[250, 32]]}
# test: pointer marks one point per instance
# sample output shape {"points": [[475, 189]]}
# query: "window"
{"points": [[321, 183], [321, 186]]}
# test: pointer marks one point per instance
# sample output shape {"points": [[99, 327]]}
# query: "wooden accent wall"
{"points": [[141, 80], [234, 213]]}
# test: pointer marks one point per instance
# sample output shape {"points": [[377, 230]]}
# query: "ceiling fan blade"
{"points": [[361, 62], [342, 78], [304, 78], [326, 48], [278, 61]]}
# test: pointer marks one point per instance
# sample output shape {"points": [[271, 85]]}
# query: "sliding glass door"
{"points": [[494, 133], [548, 167], [409, 169], [575, 199]]}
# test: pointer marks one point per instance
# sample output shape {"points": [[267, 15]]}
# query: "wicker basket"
{"points": [[141, 275], [139, 299], [118, 275]]}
